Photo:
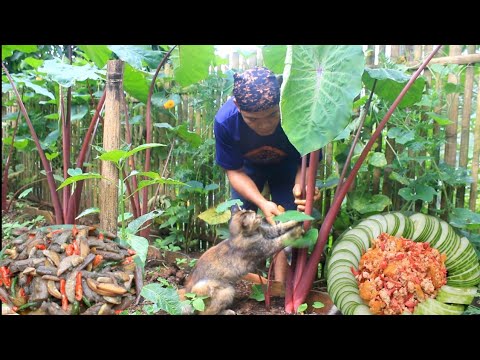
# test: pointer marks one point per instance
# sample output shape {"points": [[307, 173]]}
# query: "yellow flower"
{"points": [[169, 104]]}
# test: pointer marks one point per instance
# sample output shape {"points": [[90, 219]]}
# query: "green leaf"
{"points": [[143, 147], [292, 215], [441, 120], [397, 177], [257, 293], [401, 136], [377, 159], [464, 219], [74, 172], [190, 137], [126, 216], [198, 304], [302, 308], [136, 83], [20, 144], [193, 63], [113, 155], [318, 305], [66, 75], [391, 82], [329, 184], [274, 57], [367, 204], [7, 50], [21, 78], [135, 225], [137, 55], [25, 193], [99, 54], [319, 85], [92, 210], [166, 299], [228, 204], [307, 240], [140, 245], [211, 187], [418, 192], [211, 216], [80, 114], [51, 156], [73, 179]]}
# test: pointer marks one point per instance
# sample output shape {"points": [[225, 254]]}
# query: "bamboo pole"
{"points": [[432, 207], [451, 133], [465, 129], [111, 141], [476, 155]]}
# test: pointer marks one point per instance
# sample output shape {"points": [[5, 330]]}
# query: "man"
{"points": [[253, 149]]}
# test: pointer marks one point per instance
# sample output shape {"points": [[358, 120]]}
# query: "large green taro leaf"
{"points": [[391, 82], [320, 82]]}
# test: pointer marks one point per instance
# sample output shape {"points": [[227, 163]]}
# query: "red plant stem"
{"points": [[301, 291], [146, 231], [355, 141], [74, 201], [7, 165], [135, 199], [46, 164], [311, 177]]}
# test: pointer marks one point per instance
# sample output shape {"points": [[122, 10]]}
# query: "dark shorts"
{"points": [[281, 180]]}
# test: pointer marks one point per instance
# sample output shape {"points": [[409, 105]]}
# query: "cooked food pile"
{"points": [[396, 274], [67, 271]]}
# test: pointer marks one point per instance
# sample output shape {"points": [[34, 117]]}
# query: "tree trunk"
{"points": [[465, 131], [111, 141]]}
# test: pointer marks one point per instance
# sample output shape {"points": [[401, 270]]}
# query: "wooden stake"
{"points": [[111, 141]]}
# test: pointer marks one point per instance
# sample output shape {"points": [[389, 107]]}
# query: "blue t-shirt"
{"points": [[237, 145]]}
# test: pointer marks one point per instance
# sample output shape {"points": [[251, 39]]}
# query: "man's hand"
{"points": [[270, 209], [301, 202]]}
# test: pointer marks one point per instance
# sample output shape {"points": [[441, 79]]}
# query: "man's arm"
{"points": [[245, 186], [297, 191]]}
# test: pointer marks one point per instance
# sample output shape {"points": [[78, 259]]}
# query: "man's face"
{"points": [[263, 122]]}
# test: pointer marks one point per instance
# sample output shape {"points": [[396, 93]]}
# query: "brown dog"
{"points": [[251, 242]]}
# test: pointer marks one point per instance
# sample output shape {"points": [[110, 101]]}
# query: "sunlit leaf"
{"points": [[7, 50], [319, 85], [274, 57], [193, 63], [211, 216], [99, 54], [92, 210], [73, 179]]}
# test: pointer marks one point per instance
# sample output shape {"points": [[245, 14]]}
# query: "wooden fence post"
{"points": [[111, 141]]}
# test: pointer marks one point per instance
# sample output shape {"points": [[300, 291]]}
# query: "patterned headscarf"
{"points": [[256, 89]]}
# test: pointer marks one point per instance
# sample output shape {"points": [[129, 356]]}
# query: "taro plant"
{"points": [[322, 81]]}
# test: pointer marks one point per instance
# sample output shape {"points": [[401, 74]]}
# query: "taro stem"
{"points": [[46, 164], [305, 284]]}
